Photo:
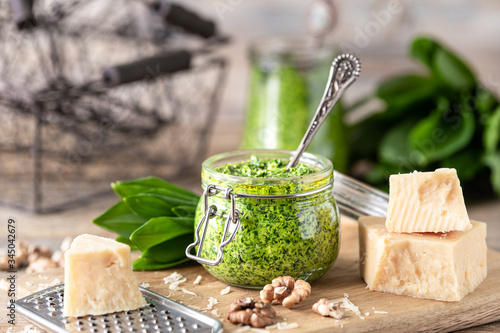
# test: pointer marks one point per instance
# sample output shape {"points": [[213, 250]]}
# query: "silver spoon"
{"points": [[344, 71]]}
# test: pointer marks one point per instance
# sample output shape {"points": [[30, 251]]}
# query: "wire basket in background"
{"points": [[97, 91]]}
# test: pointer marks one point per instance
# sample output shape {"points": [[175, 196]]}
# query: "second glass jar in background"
{"points": [[287, 82]]}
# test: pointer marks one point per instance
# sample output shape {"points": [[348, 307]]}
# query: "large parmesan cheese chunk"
{"points": [[98, 278], [441, 266], [426, 202]]}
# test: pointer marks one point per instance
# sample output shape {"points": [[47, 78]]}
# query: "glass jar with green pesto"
{"points": [[257, 221]]}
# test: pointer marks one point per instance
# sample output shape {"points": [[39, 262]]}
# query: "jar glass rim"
{"points": [[324, 166]]}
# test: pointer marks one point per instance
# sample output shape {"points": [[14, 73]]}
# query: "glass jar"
{"points": [[287, 81], [274, 226]]}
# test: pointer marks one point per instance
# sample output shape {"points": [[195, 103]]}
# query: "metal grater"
{"points": [[160, 315]]}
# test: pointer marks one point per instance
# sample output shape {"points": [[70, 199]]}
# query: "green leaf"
{"points": [[443, 133], [128, 242], [168, 254], [161, 229], [491, 134], [136, 186], [120, 219], [407, 94], [443, 64], [423, 49], [453, 71], [146, 264], [191, 200], [184, 211], [395, 149], [152, 205], [493, 162], [486, 102]]}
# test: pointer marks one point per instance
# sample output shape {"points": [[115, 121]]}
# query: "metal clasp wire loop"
{"points": [[210, 212]]}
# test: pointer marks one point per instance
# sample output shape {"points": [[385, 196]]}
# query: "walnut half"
{"points": [[248, 312], [286, 291]]}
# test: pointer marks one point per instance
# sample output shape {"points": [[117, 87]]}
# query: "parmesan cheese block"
{"points": [[441, 266], [426, 202], [98, 278]]}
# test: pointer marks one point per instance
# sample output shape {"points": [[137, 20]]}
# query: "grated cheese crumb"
{"points": [[174, 277], [225, 291], [285, 326], [195, 307], [186, 291], [347, 304], [271, 327], [259, 330], [216, 313], [380, 312], [197, 280], [211, 302], [367, 314], [145, 285], [54, 282]]}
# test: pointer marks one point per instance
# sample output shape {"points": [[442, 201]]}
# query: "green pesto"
{"points": [[294, 236], [265, 168]]}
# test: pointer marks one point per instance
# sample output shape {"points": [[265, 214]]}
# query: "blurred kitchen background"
{"points": [[213, 110]]}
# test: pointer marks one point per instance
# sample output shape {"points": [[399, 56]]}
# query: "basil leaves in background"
{"points": [[154, 217], [442, 118]]}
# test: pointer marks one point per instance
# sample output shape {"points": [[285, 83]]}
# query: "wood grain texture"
{"points": [[405, 314]]}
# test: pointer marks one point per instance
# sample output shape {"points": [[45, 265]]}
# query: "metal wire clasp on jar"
{"points": [[210, 212]]}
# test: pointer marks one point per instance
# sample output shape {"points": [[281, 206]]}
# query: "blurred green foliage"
{"points": [[443, 118]]}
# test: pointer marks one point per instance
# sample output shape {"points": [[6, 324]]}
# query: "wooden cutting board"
{"points": [[404, 314]]}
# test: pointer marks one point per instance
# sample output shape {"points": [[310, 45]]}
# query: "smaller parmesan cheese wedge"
{"points": [[426, 202], [441, 266], [98, 278]]}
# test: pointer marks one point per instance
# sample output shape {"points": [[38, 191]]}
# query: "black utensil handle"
{"points": [[146, 69], [22, 13], [186, 19]]}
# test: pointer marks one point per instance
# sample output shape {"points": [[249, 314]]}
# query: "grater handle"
{"points": [[186, 19], [148, 68]]}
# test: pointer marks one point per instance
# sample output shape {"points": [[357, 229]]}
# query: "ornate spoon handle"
{"points": [[344, 71]]}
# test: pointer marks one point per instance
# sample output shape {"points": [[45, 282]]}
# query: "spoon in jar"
{"points": [[344, 71]]}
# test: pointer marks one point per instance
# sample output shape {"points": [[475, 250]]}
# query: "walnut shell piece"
{"points": [[248, 312], [285, 290]]}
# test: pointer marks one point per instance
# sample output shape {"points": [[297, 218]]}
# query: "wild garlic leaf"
{"points": [[151, 205], [120, 219], [184, 211], [394, 149], [160, 229], [128, 242], [133, 187], [170, 251], [443, 133], [453, 71], [491, 134], [493, 162], [443, 64], [147, 264]]}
